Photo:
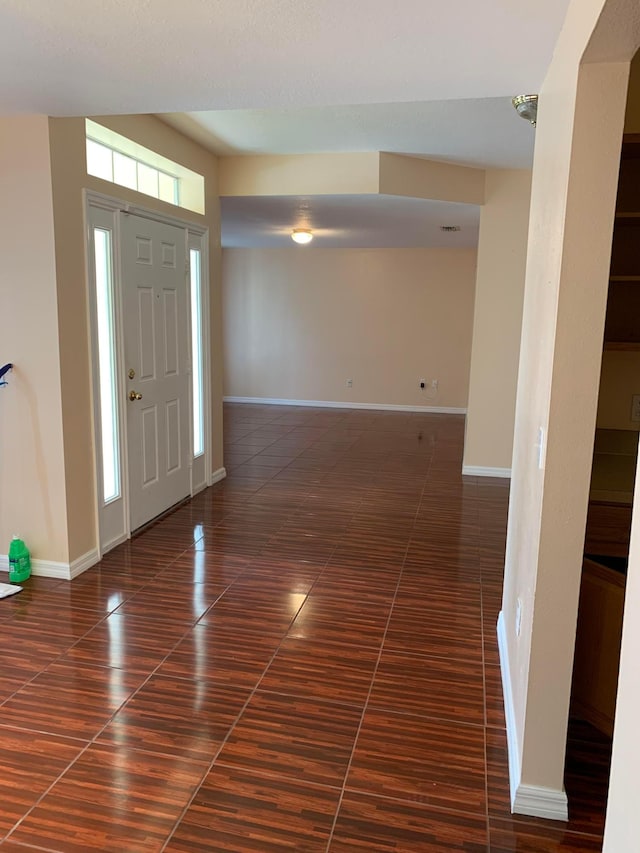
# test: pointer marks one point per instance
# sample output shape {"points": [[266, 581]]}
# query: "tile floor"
{"points": [[302, 658]]}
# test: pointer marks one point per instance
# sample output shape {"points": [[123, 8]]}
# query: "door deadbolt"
{"points": [[132, 374]]}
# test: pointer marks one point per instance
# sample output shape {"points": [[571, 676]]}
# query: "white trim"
{"points": [[525, 799], [192, 229], [111, 517], [541, 802], [50, 569], [109, 202], [509, 710], [81, 564], [203, 461], [482, 471], [334, 404], [113, 543], [53, 569], [216, 476]]}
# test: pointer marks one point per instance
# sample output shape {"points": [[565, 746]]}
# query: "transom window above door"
{"points": [[114, 158]]}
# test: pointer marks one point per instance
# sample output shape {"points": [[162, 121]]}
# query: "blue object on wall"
{"points": [[4, 370]]}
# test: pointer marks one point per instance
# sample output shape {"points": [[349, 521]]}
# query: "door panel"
{"points": [[146, 333], [149, 436], [170, 306], [173, 435], [156, 340]]}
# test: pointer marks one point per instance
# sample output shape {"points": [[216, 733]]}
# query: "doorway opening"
{"points": [[148, 288], [613, 473]]}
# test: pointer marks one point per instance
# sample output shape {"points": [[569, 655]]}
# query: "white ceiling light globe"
{"points": [[301, 236]]}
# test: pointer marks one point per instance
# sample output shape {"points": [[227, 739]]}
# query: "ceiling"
{"points": [[484, 132], [138, 56], [347, 221], [294, 76]]}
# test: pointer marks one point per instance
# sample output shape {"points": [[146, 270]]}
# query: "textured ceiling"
{"points": [[429, 79], [347, 221], [70, 57], [484, 132]]}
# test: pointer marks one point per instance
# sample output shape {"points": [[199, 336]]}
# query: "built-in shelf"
{"points": [[624, 278], [622, 346], [628, 214]]}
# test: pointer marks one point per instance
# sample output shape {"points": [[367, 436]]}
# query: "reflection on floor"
{"points": [[302, 658]]}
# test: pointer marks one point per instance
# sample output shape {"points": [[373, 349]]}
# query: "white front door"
{"points": [[156, 354]]}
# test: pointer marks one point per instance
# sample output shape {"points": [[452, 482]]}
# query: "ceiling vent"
{"points": [[450, 228]]}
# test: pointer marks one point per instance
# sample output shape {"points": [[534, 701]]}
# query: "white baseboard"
{"points": [[541, 802], [481, 471], [509, 710], [334, 404], [530, 800], [53, 569], [109, 546], [195, 490], [218, 475], [81, 564]]}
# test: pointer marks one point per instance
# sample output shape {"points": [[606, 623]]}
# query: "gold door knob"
{"points": [[134, 395]]}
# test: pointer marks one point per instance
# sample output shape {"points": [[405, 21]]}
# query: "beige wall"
{"points": [[300, 174], [502, 252], [353, 173], [419, 178], [572, 207], [32, 482], [299, 322], [68, 179]]}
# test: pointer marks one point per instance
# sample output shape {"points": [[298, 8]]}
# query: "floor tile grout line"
{"points": [[21, 820], [484, 704], [55, 660], [229, 732], [32, 846], [90, 743], [406, 800], [371, 685], [435, 718], [93, 740]]}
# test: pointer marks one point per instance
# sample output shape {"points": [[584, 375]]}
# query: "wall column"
{"points": [[497, 321], [572, 211], [32, 475]]}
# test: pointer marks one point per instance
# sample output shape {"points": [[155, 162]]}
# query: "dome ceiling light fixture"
{"points": [[527, 107], [450, 228], [302, 236]]}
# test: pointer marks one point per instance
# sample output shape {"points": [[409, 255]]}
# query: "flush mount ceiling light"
{"points": [[450, 228], [527, 107], [302, 236]]}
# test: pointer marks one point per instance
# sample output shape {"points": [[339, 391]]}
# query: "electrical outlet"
{"points": [[349, 383], [434, 384], [635, 407]]}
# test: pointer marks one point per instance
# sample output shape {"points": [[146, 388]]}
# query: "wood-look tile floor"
{"points": [[302, 658]]}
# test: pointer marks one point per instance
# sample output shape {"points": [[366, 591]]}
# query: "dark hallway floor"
{"points": [[302, 658]]}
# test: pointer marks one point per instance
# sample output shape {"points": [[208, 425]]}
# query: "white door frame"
{"points": [[113, 524]]}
